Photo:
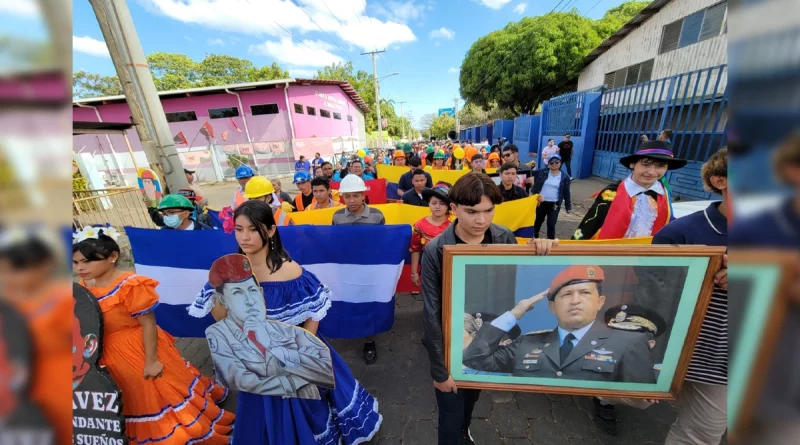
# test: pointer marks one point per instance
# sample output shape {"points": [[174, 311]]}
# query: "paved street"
{"points": [[402, 384]]}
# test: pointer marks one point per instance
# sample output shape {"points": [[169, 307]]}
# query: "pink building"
{"points": [[259, 120]]}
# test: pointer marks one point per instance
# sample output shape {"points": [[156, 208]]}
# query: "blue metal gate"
{"points": [[693, 105]]}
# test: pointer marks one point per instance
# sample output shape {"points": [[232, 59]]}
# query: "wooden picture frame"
{"points": [[763, 303], [706, 261]]}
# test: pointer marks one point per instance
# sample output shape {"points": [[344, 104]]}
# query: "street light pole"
{"points": [[402, 119], [377, 95]]}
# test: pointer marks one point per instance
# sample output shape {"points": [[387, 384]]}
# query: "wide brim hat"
{"points": [[659, 150], [440, 190]]}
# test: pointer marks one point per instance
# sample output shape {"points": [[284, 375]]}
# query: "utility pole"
{"points": [[147, 114], [402, 118], [455, 109], [377, 95]]}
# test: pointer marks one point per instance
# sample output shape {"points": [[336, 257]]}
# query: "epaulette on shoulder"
{"points": [[543, 331]]}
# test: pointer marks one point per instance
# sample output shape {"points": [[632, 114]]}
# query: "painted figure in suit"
{"points": [[579, 348]]}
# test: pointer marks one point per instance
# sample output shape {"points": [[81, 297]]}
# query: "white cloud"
{"points": [[217, 42], [443, 33], [520, 8], [88, 45], [302, 73], [402, 12], [372, 33], [188, 38], [495, 4], [453, 70], [21, 8], [259, 17], [313, 53]]}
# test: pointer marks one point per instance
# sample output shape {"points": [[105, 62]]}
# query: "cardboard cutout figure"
{"points": [[150, 186], [21, 421], [96, 399], [257, 355]]}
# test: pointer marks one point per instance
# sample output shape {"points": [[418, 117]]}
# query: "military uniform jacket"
{"points": [[602, 354]]}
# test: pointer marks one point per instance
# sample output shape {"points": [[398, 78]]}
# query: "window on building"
{"points": [[630, 75], [298, 108], [337, 116], [181, 116], [257, 110], [324, 113], [693, 28], [349, 118], [311, 111], [219, 113]]}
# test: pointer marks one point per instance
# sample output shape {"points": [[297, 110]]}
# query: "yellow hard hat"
{"points": [[257, 187]]}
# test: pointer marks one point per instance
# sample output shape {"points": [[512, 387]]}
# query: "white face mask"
{"points": [[173, 221]]}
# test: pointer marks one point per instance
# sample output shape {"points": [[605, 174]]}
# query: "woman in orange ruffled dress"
{"points": [[29, 281], [164, 398]]}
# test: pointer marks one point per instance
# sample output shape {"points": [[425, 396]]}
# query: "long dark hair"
{"points": [[260, 216], [30, 253]]}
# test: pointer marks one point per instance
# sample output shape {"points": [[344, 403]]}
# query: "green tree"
{"points": [[442, 125], [472, 115], [534, 59], [362, 82], [614, 18], [426, 120], [172, 71], [94, 85]]}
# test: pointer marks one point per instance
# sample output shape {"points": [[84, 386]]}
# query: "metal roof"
{"points": [[344, 85], [643, 15]]}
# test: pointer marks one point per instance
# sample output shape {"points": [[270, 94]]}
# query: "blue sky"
{"points": [[425, 40]]}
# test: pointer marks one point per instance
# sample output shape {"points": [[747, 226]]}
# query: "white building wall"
{"points": [[643, 44]]}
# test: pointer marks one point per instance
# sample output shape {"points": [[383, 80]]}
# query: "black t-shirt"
{"points": [[515, 192], [487, 237], [565, 150], [306, 200]]}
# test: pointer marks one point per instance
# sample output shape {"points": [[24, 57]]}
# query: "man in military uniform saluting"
{"points": [[580, 347]]}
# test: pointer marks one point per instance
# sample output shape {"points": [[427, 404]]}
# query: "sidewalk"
{"points": [[403, 386]]}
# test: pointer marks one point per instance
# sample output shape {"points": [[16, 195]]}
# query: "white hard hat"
{"points": [[352, 184]]}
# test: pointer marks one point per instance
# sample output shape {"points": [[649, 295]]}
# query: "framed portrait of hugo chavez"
{"points": [[611, 320]]}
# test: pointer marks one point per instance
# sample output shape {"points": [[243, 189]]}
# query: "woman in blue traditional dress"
{"points": [[347, 414]]}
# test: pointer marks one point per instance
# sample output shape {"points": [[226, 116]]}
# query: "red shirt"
{"points": [[423, 231]]}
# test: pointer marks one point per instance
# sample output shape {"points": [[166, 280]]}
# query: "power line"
{"points": [[568, 4], [332, 14], [320, 28], [590, 9], [521, 41]]}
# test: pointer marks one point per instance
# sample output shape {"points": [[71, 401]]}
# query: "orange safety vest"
{"points": [[282, 218], [298, 202], [333, 203], [238, 198]]}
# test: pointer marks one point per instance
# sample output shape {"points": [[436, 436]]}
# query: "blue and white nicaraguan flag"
{"points": [[359, 264]]}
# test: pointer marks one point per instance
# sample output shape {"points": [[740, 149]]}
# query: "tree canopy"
{"points": [[362, 82], [527, 62], [472, 115], [172, 71], [442, 125]]}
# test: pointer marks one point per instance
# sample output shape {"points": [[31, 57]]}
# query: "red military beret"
{"points": [[232, 268], [574, 275], [147, 174]]}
